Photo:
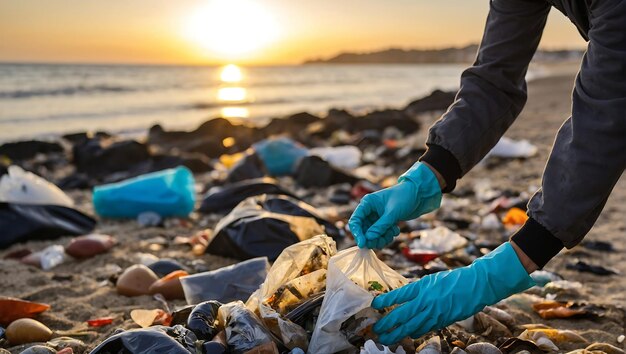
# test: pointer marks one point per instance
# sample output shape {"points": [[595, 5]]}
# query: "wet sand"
{"points": [[79, 290]]}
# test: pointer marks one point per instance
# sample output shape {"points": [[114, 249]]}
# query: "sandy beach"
{"points": [[80, 290]]}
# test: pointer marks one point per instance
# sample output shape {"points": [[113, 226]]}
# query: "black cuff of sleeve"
{"points": [[537, 242], [445, 163]]}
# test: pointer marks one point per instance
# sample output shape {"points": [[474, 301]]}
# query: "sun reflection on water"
{"points": [[232, 93]]}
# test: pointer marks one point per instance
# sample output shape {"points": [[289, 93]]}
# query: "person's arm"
{"points": [[492, 92], [589, 153]]}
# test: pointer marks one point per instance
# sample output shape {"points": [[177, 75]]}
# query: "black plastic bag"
{"points": [[313, 171], [152, 340], [224, 199], [265, 225], [249, 167], [26, 222]]}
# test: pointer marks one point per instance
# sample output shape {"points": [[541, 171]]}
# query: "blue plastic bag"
{"points": [[280, 155], [167, 193]]}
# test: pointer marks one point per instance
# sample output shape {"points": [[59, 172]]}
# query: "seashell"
{"points": [[489, 326], [60, 343], [500, 315], [12, 309], [605, 347], [26, 330], [560, 336], [39, 349], [540, 339], [89, 245], [170, 286], [458, 350], [136, 280], [517, 345], [431, 346], [482, 348]]}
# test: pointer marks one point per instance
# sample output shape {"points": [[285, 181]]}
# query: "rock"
{"points": [[136, 280], [437, 101], [100, 157], [169, 286], [380, 120], [292, 125], [23, 150], [166, 266], [26, 330], [89, 245]]}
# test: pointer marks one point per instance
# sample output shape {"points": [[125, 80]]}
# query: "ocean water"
{"points": [[41, 99]]}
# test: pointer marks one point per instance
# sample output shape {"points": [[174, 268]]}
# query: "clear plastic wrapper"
{"points": [[244, 330]]}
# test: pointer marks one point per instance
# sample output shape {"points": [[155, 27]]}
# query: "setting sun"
{"points": [[230, 27]]}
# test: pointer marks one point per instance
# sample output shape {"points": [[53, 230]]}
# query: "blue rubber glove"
{"points": [[440, 299], [374, 222]]}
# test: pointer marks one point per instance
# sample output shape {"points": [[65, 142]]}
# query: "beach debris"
{"points": [[620, 339], [264, 226], [100, 322], [89, 245], [419, 256], [543, 277], [509, 148], [345, 156], [149, 219], [440, 239], [517, 345], [540, 339], [165, 266], [244, 331], [153, 339], [279, 155], [222, 199], [598, 246], [431, 346], [63, 343], [605, 348], [169, 286], [585, 267], [203, 320], [231, 283], [218, 345], [249, 166], [12, 309], [40, 349], [313, 171], [482, 348], [27, 330], [500, 315], [167, 193], [265, 348], [554, 335], [147, 318], [349, 273], [372, 348], [514, 217], [25, 222], [136, 280], [22, 187], [27, 149], [554, 309], [563, 287]]}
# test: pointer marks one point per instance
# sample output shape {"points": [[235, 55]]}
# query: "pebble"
{"points": [[89, 245], [170, 286], [26, 330], [136, 280], [165, 266], [620, 339]]}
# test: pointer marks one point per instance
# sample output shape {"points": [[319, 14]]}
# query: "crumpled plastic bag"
{"points": [[347, 156], [371, 348], [346, 312], [509, 148], [244, 330], [298, 273], [156, 339], [224, 198], [235, 282], [440, 239], [25, 222], [19, 186], [279, 155], [264, 226]]}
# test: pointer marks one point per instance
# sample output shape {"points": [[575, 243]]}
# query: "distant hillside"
{"points": [[447, 55]]}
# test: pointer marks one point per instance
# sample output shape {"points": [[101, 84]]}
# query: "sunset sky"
{"points": [[261, 32]]}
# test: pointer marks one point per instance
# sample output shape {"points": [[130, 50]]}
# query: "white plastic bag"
{"points": [[440, 239], [509, 148], [371, 348], [350, 274], [346, 156], [300, 268], [19, 186]]}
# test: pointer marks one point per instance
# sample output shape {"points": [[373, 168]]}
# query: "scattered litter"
{"points": [[509, 148], [167, 193], [582, 266], [22, 187], [440, 239]]}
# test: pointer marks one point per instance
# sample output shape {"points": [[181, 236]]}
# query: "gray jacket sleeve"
{"points": [[589, 154], [493, 90]]}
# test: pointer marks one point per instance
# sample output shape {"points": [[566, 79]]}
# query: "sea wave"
{"points": [[63, 91]]}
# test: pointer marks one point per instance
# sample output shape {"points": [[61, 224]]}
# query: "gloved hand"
{"points": [[440, 299], [374, 222]]}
